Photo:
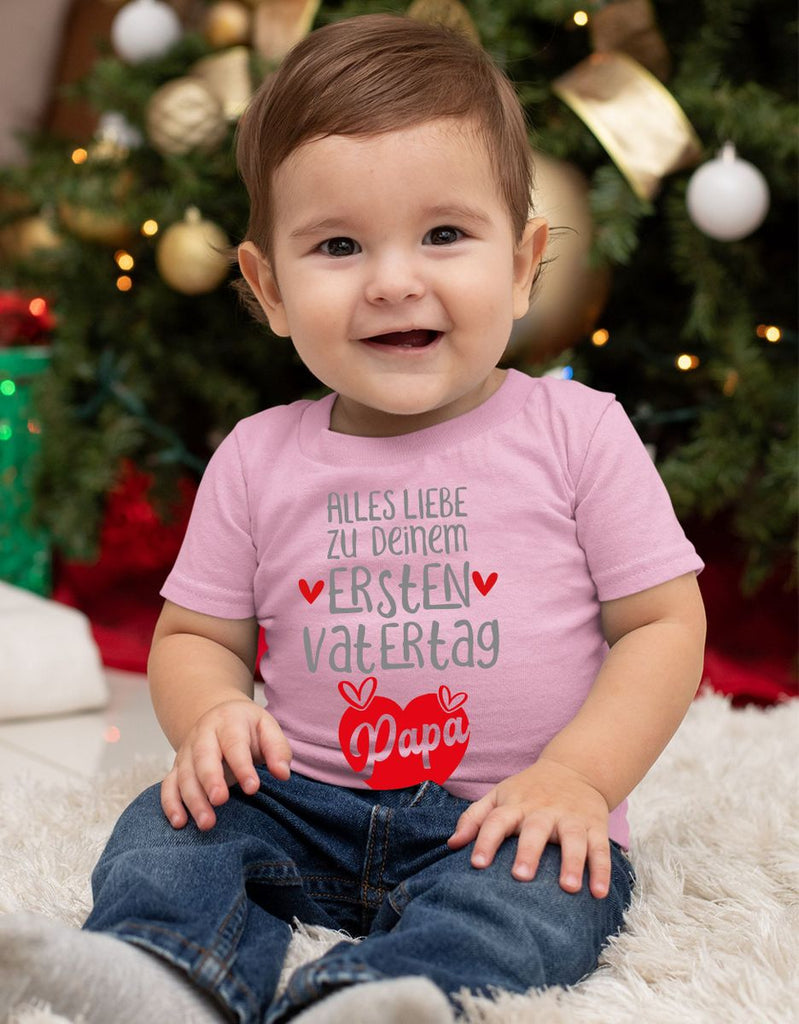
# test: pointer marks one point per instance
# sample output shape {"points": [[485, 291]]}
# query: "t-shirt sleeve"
{"points": [[625, 520], [215, 568]]}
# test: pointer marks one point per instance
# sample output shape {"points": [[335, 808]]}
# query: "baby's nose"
{"points": [[394, 277]]}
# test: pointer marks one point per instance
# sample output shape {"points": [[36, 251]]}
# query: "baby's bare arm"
{"points": [[201, 681], [638, 699]]}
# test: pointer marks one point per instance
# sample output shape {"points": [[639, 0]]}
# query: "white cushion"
{"points": [[49, 662]]}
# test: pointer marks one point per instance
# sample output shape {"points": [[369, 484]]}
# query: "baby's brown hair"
{"points": [[374, 74]]}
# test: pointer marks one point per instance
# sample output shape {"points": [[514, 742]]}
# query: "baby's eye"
{"points": [[444, 235], [340, 247]]}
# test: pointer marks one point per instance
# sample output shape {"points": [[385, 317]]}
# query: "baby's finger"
{"points": [[275, 748], [470, 821], [599, 865], [208, 769], [533, 837], [171, 804], [238, 758], [498, 825], [573, 847], [194, 796]]}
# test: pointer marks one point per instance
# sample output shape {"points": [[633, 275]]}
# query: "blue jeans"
{"points": [[219, 904]]}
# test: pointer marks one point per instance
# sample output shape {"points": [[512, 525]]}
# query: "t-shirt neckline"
{"points": [[320, 443]]}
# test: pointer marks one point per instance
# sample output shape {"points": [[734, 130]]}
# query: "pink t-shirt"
{"points": [[431, 601]]}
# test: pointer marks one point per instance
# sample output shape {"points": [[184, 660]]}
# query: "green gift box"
{"points": [[25, 556]]}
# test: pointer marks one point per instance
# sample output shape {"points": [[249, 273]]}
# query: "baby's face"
{"points": [[396, 273]]}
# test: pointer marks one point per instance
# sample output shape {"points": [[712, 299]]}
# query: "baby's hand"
{"points": [[223, 747], [546, 803]]}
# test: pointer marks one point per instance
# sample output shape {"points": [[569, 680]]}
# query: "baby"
{"points": [[482, 616]]}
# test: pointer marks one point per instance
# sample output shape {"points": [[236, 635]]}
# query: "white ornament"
{"points": [[145, 29], [727, 198], [115, 127]]}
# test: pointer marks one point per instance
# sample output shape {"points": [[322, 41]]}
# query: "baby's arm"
{"points": [[638, 699], [201, 681]]}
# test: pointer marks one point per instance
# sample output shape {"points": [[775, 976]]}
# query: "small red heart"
{"points": [[358, 696], [450, 701], [310, 593], [484, 585]]}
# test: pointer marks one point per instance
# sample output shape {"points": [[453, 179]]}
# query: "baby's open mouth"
{"points": [[405, 339]]}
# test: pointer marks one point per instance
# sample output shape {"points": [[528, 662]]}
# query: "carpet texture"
{"points": [[713, 932]]}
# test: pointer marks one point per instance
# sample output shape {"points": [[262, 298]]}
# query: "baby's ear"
{"points": [[258, 273], [526, 261]]}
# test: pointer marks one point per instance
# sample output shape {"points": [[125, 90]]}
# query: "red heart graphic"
{"points": [[358, 696], [484, 585], [310, 593], [392, 747], [451, 701]]}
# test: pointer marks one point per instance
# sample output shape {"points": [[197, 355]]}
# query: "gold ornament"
{"points": [[570, 294], [227, 23], [279, 24], [91, 222], [630, 26], [636, 119], [227, 76], [449, 13], [184, 115], [191, 255], [28, 237]]}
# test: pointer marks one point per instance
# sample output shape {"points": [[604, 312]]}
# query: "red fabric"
{"points": [[119, 592], [24, 320], [751, 650]]}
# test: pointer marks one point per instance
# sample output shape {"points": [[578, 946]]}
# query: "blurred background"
{"points": [[665, 138]]}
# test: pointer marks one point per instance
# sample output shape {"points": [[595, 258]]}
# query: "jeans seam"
{"points": [[402, 890], [382, 872], [382, 815], [127, 933], [420, 794]]}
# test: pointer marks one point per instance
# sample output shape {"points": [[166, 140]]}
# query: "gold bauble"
{"points": [[570, 294], [91, 226], [227, 76], [91, 222], [184, 115], [191, 255], [227, 23], [30, 236]]}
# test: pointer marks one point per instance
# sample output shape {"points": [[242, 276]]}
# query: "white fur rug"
{"points": [[713, 933]]}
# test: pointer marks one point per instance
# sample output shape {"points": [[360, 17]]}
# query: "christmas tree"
{"points": [[673, 282]]}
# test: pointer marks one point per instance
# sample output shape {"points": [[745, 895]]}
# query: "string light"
{"points": [[730, 385], [7, 388], [149, 228], [770, 332], [124, 283], [37, 307], [124, 260], [80, 155], [580, 18], [686, 362], [6, 433], [600, 337]]}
